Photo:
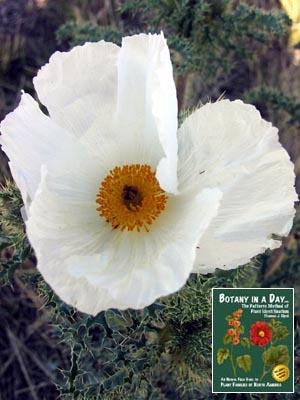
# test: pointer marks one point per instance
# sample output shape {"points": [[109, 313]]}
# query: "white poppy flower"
{"points": [[121, 207]]}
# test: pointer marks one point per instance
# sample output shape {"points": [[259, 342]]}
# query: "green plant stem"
{"points": [[232, 362], [264, 372]]}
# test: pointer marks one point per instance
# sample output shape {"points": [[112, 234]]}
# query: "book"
{"points": [[253, 340]]}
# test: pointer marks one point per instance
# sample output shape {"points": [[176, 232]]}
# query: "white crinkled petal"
{"points": [[80, 86], [63, 219], [30, 139], [103, 267], [147, 104], [81, 293], [228, 145]]}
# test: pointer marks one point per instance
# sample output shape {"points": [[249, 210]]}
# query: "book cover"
{"points": [[253, 340]]}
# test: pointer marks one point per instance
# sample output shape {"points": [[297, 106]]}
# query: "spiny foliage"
{"points": [[276, 100], [14, 246], [122, 351], [206, 35], [10, 210], [203, 36], [75, 34], [111, 353]]}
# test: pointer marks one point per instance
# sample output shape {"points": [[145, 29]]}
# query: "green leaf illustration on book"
{"points": [[222, 355], [279, 331], [245, 342], [227, 339], [276, 355], [244, 362]]}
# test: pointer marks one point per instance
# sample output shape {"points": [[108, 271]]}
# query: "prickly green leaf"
{"points": [[116, 380], [117, 320]]}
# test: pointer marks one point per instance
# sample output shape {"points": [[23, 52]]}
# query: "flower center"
{"points": [[261, 334], [130, 197]]}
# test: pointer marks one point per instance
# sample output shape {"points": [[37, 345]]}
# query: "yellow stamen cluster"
{"points": [[261, 334], [130, 197]]}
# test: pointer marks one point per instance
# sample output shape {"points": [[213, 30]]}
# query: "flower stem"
{"points": [[232, 362], [264, 372]]}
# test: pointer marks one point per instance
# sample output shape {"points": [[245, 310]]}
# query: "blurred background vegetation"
{"points": [[242, 49]]}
